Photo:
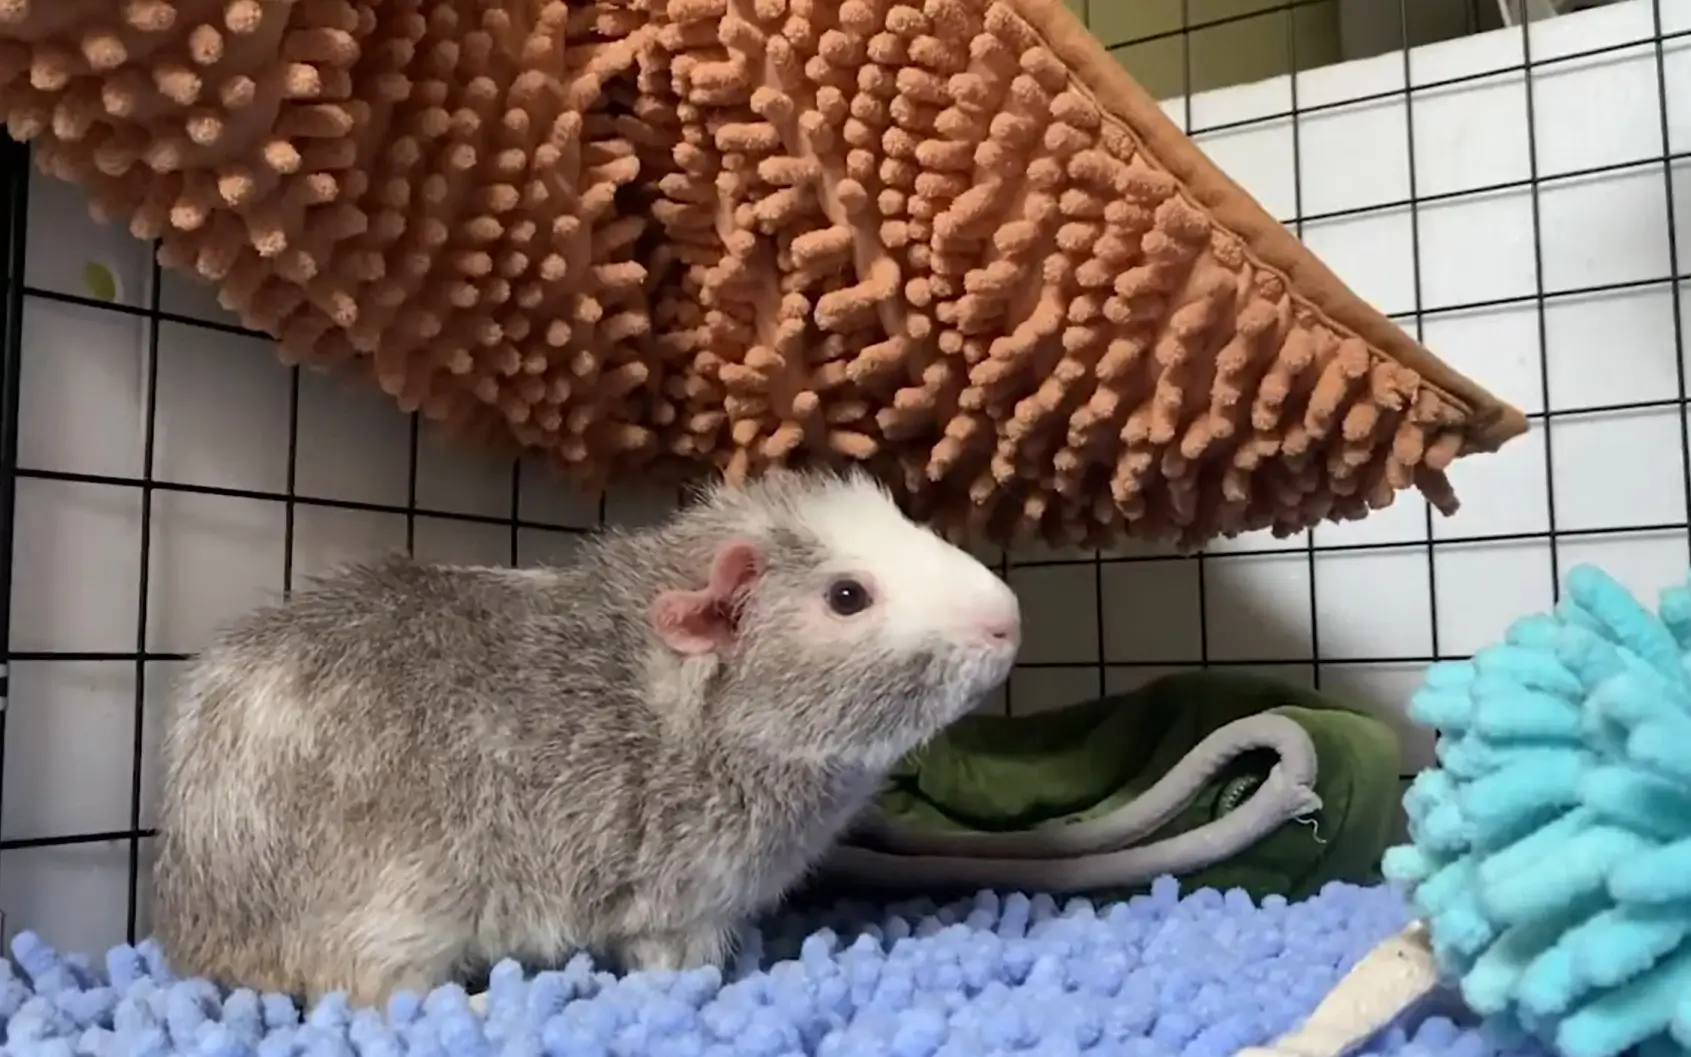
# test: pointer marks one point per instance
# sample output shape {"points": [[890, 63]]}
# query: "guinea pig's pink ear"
{"points": [[700, 621]]}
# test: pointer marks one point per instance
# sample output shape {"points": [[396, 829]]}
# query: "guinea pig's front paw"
{"points": [[675, 950]]}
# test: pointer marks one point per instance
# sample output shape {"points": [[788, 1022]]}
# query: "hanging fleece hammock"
{"points": [[950, 238]]}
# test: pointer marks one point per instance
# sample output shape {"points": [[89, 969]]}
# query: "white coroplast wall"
{"points": [[1527, 233]]}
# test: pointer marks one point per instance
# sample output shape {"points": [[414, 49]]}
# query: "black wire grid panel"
{"points": [[1098, 675]]}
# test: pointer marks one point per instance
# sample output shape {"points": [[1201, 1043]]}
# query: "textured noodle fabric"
{"points": [[947, 237], [1202, 976], [1551, 843]]}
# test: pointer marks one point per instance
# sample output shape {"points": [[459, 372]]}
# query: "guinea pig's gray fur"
{"points": [[408, 770]]}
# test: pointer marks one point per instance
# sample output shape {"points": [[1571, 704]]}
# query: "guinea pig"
{"points": [[409, 770]]}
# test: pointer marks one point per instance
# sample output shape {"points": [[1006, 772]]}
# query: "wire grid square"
{"points": [[1579, 325], [1260, 158], [1330, 141], [224, 410], [1070, 588], [1487, 190], [438, 539], [1373, 251], [213, 557], [1503, 495], [1486, 585], [454, 480], [1471, 136], [92, 377], [1243, 622], [1491, 233], [334, 419], [1151, 611], [1633, 246], [80, 589]]}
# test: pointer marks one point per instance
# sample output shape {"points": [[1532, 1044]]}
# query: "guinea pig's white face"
{"points": [[890, 584]]}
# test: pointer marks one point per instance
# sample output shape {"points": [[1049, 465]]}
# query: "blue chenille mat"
{"points": [[1156, 975]]}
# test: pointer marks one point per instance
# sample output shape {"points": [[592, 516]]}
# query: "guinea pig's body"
{"points": [[411, 769]]}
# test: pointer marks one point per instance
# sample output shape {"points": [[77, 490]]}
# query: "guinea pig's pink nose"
{"points": [[1002, 627]]}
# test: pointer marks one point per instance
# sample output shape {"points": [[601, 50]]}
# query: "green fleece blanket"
{"points": [[1209, 747]]}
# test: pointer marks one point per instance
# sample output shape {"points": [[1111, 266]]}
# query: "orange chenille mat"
{"points": [[951, 238]]}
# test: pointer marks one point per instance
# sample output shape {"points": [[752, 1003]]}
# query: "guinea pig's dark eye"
{"points": [[847, 597]]}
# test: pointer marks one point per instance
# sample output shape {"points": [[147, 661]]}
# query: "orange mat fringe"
{"points": [[950, 238]]}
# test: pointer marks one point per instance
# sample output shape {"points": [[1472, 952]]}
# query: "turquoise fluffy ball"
{"points": [[1551, 842]]}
